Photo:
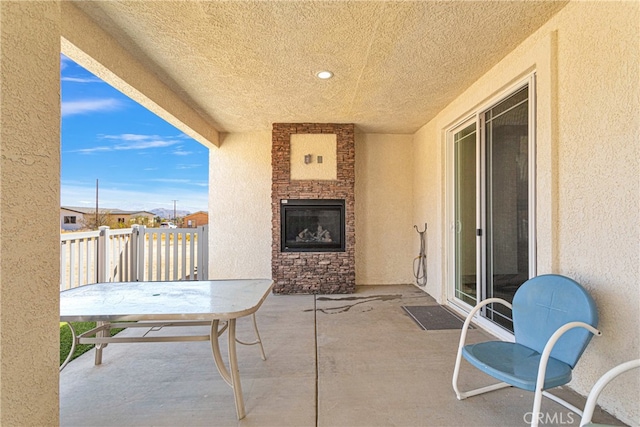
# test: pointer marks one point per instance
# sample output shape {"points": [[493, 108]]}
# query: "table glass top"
{"points": [[182, 300]]}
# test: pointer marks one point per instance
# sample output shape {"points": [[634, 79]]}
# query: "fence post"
{"points": [[140, 240], [203, 252], [103, 254], [133, 266]]}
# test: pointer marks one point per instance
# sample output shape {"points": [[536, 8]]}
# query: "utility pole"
{"points": [[174, 209], [97, 224]]}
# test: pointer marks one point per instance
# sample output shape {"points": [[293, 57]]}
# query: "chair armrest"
{"points": [[472, 313], [481, 304], [601, 384], [544, 359], [546, 353]]}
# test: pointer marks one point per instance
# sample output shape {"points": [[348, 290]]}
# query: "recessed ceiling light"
{"points": [[324, 75]]}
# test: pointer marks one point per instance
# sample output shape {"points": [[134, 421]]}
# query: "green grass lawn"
{"points": [[66, 338]]}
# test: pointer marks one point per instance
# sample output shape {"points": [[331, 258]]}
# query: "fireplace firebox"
{"points": [[312, 225]]}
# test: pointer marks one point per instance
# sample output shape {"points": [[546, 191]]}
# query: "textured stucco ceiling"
{"points": [[244, 65]]}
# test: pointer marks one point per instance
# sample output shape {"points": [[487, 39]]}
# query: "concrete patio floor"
{"points": [[332, 360]]}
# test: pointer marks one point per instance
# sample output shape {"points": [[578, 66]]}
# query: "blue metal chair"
{"points": [[554, 319]]}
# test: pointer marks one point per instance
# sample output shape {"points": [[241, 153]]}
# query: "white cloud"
{"points": [[130, 137], [171, 180], [130, 142], [69, 108], [181, 152], [143, 145], [81, 79], [182, 181], [92, 150]]}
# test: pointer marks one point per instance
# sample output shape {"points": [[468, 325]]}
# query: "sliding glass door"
{"points": [[506, 195], [493, 227]]}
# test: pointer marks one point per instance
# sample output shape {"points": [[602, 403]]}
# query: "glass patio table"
{"points": [[155, 305]]}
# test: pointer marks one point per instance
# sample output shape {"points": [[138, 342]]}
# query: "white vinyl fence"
{"points": [[133, 254]]}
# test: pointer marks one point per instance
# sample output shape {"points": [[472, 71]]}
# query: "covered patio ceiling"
{"points": [[243, 65]]}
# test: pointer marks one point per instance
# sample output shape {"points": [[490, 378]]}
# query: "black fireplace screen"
{"points": [[312, 225]]}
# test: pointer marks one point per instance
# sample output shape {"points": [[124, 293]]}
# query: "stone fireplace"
{"points": [[313, 221]]}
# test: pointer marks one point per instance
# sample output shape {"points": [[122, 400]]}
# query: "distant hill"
{"points": [[168, 213]]}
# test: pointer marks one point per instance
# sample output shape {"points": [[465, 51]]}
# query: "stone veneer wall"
{"points": [[313, 272]]}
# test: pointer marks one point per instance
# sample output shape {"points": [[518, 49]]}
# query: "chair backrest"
{"points": [[545, 303]]}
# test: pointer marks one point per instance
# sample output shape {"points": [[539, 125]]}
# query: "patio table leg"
{"points": [[235, 372], [101, 334], [74, 342], [233, 378], [258, 340]]}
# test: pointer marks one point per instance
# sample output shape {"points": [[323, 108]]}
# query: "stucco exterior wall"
{"points": [[428, 205], [240, 206], [384, 232], [29, 188], [588, 192], [599, 185]]}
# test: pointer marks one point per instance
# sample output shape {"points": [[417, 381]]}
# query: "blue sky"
{"points": [[141, 161]]}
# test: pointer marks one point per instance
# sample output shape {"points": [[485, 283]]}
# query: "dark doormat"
{"points": [[433, 317]]}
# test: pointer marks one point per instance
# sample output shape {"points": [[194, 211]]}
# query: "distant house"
{"points": [[76, 218], [196, 219]]}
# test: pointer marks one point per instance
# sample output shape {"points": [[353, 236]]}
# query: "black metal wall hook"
{"points": [[425, 228]]}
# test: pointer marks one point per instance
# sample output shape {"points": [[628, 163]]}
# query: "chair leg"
{"points": [[456, 372], [537, 403], [562, 402], [461, 395], [463, 337], [537, 406]]}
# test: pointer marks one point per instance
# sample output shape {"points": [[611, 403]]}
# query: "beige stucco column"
{"points": [[29, 212]]}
